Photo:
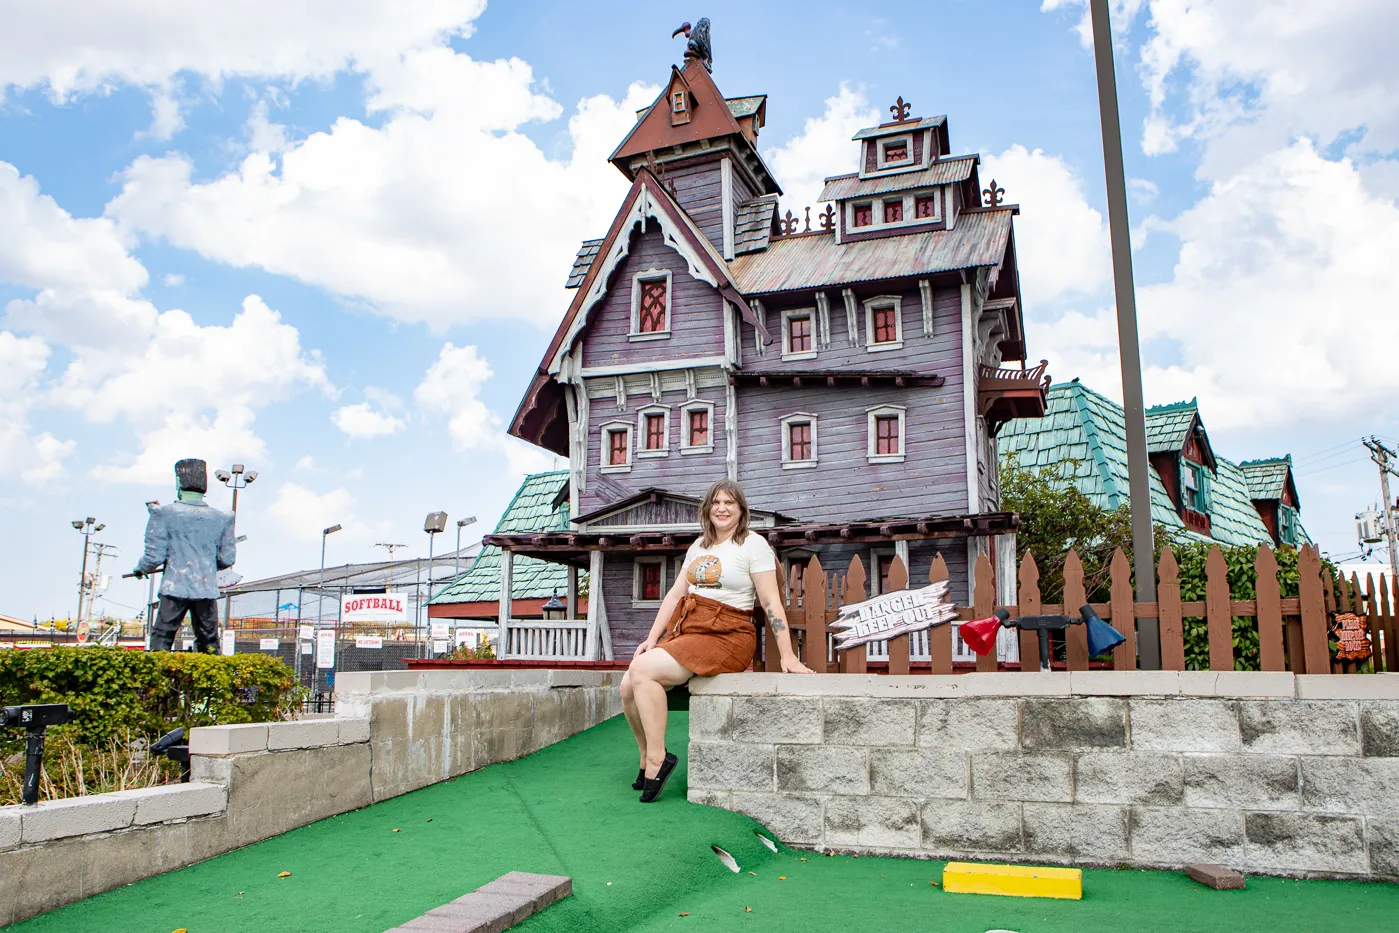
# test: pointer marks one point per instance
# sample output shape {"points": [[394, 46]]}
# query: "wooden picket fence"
{"points": [[1292, 632]]}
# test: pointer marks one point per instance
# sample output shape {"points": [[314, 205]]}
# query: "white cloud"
{"points": [[363, 420], [822, 148], [1061, 241], [299, 513], [306, 463], [173, 279], [402, 216], [35, 459], [1120, 12]]}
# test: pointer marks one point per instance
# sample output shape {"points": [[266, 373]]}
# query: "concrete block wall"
{"points": [[1268, 773], [393, 732]]}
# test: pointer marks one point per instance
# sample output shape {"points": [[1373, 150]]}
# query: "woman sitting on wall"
{"points": [[704, 626]]}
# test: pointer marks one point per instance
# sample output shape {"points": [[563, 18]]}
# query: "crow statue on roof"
{"points": [[698, 48]]}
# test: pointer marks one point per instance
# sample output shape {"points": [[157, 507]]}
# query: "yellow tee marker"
{"points": [[1013, 880]]}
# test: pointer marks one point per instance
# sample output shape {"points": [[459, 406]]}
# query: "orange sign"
{"points": [[1351, 634]]}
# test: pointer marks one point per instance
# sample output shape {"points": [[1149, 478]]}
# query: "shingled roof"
{"points": [[1082, 426], [532, 509], [753, 224], [583, 262], [942, 172], [1267, 479]]}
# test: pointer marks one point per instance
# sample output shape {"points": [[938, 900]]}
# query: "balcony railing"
{"points": [[536, 640]]}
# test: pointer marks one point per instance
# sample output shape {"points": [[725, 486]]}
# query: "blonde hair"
{"points": [[711, 534]]}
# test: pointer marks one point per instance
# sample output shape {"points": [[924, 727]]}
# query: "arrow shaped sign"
{"points": [[893, 614]]}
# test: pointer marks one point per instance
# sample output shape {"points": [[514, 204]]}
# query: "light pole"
{"points": [[320, 597], [236, 479], [151, 506], [434, 524], [87, 528], [456, 567]]}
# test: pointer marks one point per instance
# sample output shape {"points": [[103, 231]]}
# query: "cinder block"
{"points": [[746, 684], [731, 766], [176, 802], [793, 818], [952, 826], [832, 769], [76, 816], [919, 772], [1077, 831], [1238, 684], [868, 722], [1246, 782], [1305, 842], [1300, 727], [352, 730], [1017, 776], [1073, 724], [9, 827], [772, 720], [1331, 687], [978, 724], [875, 686], [228, 740], [1363, 786], [1379, 728], [306, 733], [1013, 880], [206, 770], [878, 822], [722, 799], [1185, 725], [1384, 846], [709, 718], [1136, 778], [1173, 836]]}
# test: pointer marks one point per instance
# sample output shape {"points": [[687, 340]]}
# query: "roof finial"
{"points": [[697, 49], [900, 110], [993, 195]]}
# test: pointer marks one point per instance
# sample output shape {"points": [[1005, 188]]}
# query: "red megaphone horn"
{"points": [[980, 634]]}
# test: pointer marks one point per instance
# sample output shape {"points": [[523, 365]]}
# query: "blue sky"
{"points": [[329, 240]]}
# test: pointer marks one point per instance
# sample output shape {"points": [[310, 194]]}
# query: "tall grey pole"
{"points": [[1381, 454], [1129, 351], [456, 563], [82, 582]]}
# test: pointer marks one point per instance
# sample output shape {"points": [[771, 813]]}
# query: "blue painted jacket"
{"points": [[194, 541]]}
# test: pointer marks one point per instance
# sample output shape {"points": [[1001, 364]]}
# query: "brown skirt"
{"points": [[710, 637]]}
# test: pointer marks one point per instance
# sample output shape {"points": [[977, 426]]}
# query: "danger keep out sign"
{"points": [[385, 608]]}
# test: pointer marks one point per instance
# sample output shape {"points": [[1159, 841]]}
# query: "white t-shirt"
{"points": [[725, 572]]}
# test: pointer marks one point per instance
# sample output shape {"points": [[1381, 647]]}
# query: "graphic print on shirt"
{"points": [[705, 571]]}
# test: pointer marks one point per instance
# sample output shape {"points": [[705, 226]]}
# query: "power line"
{"points": [[1349, 444]]}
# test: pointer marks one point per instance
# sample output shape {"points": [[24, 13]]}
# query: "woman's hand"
{"points": [[793, 665], [644, 647]]}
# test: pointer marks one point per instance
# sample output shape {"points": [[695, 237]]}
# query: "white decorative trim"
{"points": [[872, 436], [877, 557], [798, 417], [656, 385], [691, 384], [850, 319], [642, 451], [623, 369], [636, 598], [731, 431], [788, 315], [605, 446], [925, 292], [648, 275], [577, 436], [823, 310], [969, 403], [880, 163], [726, 187], [762, 314], [696, 404], [884, 301], [732, 341], [621, 383]]}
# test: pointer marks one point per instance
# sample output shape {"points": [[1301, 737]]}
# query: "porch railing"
{"points": [[535, 640]]}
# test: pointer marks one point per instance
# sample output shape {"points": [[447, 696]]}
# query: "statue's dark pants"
{"points": [[204, 616]]}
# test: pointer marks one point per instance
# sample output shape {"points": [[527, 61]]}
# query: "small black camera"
{"points": [[36, 717]]}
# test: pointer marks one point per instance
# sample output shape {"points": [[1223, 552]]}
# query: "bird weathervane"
{"points": [[697, 49]]}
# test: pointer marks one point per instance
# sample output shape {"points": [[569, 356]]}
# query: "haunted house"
{"points": [[849, 370]]}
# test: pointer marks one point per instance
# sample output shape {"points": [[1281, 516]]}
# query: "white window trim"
{"points": [[787, 317], [936, 194], [605, 446], [798, 417], [695, 405], [872, 436], [910, 204], [850, 217], [881, 301], [642, 451], [649, 275], [881, 144], [878, 556], [637, 564]]}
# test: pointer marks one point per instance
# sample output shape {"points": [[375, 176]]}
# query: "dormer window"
{"points": [[1195, 479], [864, 215], [926, 207], [679, 107], [895, 152], [1287, 525], [894, 211], [798, 334], [650, 305]]}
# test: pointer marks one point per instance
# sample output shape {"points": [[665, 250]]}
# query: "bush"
{"points": [[116, 693]]}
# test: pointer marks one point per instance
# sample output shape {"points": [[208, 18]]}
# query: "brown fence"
{"points": [[1293, 632]]}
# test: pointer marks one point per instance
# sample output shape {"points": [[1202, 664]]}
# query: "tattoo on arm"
{"points": [[778, 623]]}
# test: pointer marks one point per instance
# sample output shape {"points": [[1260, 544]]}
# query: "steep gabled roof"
{"points": [[1268, 479], [532, 509], [541, 417], [710, 117]]}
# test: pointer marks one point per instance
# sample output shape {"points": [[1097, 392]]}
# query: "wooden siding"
{"points": [[662, 512], [685, 474], [844, 486], [940, 354], [629, 625], [696, 320], [698, 188]]}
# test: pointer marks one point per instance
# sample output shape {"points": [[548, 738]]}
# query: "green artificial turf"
{"points": [[569, 810]]}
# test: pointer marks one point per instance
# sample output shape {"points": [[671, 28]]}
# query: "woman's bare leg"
{"points": [[650, 675], [633, 717]]}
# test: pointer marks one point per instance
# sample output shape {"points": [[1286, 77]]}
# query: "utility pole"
{"points": [[1382, 456], [87, 528], [101, 549], [390, 548]]}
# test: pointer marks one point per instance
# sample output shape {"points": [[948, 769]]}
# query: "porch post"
{"points": [[595, 621], [507, 572], [572, 598]]}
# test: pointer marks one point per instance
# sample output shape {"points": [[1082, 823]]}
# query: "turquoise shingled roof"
{"points": [[532, 509], [1167, 426], [1266, 478], [1079, 424]]}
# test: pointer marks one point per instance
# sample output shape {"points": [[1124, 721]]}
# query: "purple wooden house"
{"points": [[851, 372]]}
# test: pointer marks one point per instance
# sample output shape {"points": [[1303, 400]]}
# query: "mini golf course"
{"points": [[569, 810]]}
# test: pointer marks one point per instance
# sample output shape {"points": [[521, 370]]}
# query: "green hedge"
{"points": [[115, 692]]}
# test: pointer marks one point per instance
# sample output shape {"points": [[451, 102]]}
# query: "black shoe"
{"points": [[640, 781], [654, 785]]}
